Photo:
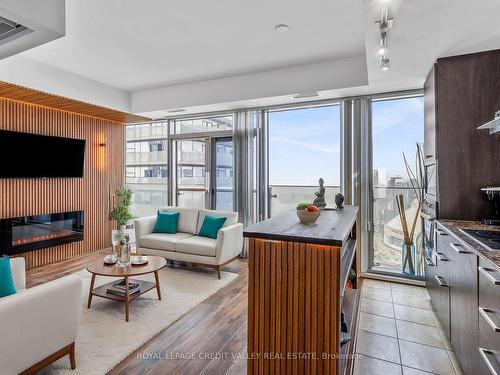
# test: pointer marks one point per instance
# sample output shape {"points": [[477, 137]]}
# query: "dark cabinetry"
{"points": [[489, 318], [454, 295], [463, 305], [440, 294], [461, 93]]}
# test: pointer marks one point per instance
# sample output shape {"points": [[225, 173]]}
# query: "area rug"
{"points": [[105, 339]]}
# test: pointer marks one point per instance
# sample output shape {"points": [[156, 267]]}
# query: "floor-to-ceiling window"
{"points": [[304, 146], [397, 126], [202, 157], [146, 169]]}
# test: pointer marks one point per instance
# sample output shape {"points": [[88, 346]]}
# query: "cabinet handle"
{"points": [[441, 232], [429, 262], [459, 248], [486, 313], [442, 257], [490, 361], [441, 281], [487, 272]]}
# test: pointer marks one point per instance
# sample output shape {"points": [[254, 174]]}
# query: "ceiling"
{"points": [[130, 45], [212, 55]]}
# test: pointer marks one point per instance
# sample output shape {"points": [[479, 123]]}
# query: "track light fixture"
{"points": [[385, 63], [385, 24], [383, 49]]}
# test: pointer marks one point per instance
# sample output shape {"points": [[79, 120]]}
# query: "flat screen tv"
{"points": [[24, 155]]}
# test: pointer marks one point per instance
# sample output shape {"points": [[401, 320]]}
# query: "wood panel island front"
{"points": [[300, 281]]}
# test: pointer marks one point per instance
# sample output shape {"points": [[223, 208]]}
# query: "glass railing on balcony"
{"points": [[286, 197], [143, 132], [387, 236], [147, 202], [148, 157], [147, 180], [191, 157], [191, 182]]}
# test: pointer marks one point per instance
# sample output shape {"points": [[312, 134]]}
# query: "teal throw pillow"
{"points": [[211, 225], [166, 222], [7, 286]]}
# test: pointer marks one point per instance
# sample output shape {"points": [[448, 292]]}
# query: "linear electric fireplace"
{"points": [[26, 233]]}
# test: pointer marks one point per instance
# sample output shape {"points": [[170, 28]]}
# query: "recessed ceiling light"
{"points": [[281, 28], [176, 110]]}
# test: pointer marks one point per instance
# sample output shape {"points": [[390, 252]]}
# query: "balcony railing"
{"points": [[144, 132], [147, 180], [191, 157], [147, 157]]}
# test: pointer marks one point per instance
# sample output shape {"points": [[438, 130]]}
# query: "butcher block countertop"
{"points": [[332, 227]]}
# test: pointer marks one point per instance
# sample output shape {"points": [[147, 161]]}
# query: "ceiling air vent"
{"points": [[10, 30]]}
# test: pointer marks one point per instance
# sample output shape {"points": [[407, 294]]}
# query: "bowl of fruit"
{"points": [[307, 213]]}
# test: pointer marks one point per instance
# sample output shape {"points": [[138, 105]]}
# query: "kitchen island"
{"points": [[296, 291]]}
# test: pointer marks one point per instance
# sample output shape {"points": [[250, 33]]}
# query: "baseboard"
{"points": [[394, 279]]}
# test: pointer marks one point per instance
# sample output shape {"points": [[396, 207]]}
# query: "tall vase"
{"points": [[408, 259]]}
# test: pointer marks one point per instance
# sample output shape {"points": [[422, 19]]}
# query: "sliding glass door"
{"points": [[222, 190], [304, 146], [202, 158], [192, 173], [397, 126]]}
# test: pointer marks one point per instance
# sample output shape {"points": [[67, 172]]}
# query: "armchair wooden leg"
{"points": [[67, 350], [218, 272], [72, 356]]}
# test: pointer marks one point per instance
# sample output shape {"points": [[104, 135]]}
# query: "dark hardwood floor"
{"points": [[210, 339]]}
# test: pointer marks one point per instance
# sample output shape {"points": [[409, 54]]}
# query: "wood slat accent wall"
{"points": [[40, 98], [103, 173], [294, 308]]}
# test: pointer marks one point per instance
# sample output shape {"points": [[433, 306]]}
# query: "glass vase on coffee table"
{"points": [[124, 257]]}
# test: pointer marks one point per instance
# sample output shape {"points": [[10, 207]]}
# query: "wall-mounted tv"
{"points": [[24, 155]]}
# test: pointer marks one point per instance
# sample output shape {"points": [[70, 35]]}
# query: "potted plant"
{"points": [[121, 212]]}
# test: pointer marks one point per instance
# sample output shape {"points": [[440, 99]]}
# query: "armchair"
{"points": [[39, 324]]}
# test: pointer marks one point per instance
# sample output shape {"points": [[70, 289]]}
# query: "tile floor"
{"points": [[398, 333]]}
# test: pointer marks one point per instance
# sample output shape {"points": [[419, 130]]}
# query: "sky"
{"points": [[397, 126], [304, 144]]}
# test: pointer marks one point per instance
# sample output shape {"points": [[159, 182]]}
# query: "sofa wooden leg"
{"points": [[218, 272], [72, 356]]}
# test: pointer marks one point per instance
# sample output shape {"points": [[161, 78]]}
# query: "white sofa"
{"points": [[185, 245], [39, 324]]}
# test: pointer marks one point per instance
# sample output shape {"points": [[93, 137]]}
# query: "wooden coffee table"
{"points": [[98, 268]]}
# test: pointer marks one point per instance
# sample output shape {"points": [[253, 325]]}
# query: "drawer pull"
{"points": [[488, 273], [429, 262], [459, 248], [489, 315], [441, 281], [442, 257], [441, 232], [490, 361]]}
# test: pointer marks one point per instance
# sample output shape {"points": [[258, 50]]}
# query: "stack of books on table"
{"points": [[119, 288]]}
